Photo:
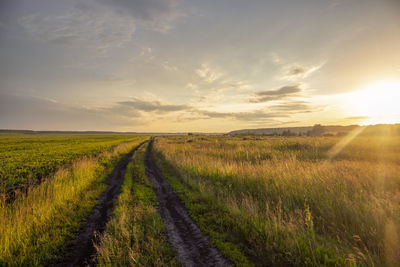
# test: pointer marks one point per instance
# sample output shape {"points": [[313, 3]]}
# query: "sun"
{"points": [[378, 102]]}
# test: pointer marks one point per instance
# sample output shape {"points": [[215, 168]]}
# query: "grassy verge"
{"points": [[212, 217], [291, 200], [135, 235], [248, 239], [36, 227]]}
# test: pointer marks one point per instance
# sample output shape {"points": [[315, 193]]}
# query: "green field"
{"points": [[27, 158], [37, 226], [262, 201]]}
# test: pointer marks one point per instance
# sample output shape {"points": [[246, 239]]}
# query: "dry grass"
{"points": [[303, 205]]}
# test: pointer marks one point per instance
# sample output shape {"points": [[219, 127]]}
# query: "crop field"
{"points": [[39, 227], [27, 158], [202, 200]]}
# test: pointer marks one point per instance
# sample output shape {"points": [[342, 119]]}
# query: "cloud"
{"points": [[216, 82], [50, 114], [168, 67], [150, 106], [276, 58], [191, 86], [285, 90], [208, 73], [186, 111], [158, 15], [145, 56], [292, 71], [158, 110], [296, 71], [357, 118], [256, 115], [80, 26], [271, 95], [296, 107], [41, 113]]}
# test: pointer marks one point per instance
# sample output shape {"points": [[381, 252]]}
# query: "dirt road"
{"points": [[83, 252], [192, 246]]}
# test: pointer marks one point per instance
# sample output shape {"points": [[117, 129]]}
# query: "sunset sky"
{"points": [[205, 65]]}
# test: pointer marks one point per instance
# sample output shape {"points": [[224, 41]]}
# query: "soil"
{"points": [[192, 246], [83, 251]]}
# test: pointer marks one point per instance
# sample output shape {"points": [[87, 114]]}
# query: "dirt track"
{"points": [[82, 253], [192, 246]]}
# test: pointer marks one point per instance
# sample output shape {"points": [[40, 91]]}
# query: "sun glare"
{"points": [[378, 102]]}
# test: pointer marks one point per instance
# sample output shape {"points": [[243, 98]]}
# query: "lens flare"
{"points": [[378, 102]]}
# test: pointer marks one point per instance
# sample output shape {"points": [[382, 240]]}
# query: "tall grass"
{"points": [[290, 204], [135, 235], [36, 226]]}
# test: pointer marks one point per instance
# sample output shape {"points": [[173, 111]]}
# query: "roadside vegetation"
{"points": [[25, 159], [36, 227], [135, 235], [291, 201], [262, 201]]}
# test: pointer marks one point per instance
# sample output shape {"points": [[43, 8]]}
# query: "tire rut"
{"points": [[192, 246], [83, 251]]}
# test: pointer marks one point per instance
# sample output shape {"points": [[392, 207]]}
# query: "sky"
{"points": [[187, 66]]}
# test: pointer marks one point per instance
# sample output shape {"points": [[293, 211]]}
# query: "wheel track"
{"points": [[192, 246], [83, 251]]}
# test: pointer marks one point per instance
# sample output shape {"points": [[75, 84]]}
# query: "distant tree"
{"points": [[317, 130], [190, 134], [288, 133], [341, 134]]}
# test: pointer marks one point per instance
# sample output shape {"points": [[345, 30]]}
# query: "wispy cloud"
{"points": [[158, 15], [217, 85], [281, 93], [208, 73], [182, 112], [256, 115], [294, 71], [150, 106], [357, 118], [145, 56], [41, 113], [297, 70], [168, 66], [109, 25], [86, 27], [295, 106]]}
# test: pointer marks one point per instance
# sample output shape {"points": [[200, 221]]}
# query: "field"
{"points": [[27, 158], [37, 227], [289, 201], [213, 200]]}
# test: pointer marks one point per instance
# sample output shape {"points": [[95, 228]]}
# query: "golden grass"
{"points": [[36, 226], [351, 201]]}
